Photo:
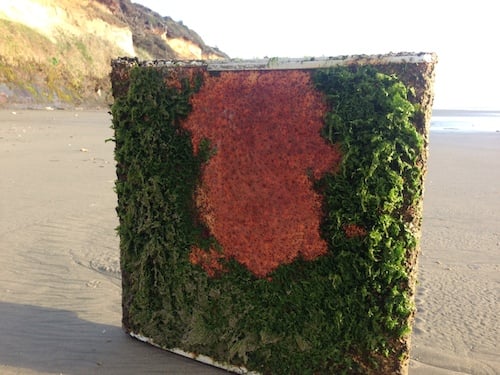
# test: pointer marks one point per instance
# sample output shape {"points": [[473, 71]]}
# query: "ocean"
{"points": [[450, 120]]}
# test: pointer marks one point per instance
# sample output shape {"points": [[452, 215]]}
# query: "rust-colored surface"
{"points": [[256, 195], [353, 230]]}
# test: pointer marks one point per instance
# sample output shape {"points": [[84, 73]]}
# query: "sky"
{"points": [[462, 33]]}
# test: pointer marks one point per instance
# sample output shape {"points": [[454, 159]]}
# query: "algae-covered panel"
{"points": [[270, 210]]}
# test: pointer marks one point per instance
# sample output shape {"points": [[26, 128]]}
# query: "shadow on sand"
{"points": [[49, 340]]}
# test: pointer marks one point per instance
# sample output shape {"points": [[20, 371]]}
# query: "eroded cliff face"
{"points": [[189, 50], [58, 52], [57, 18]]}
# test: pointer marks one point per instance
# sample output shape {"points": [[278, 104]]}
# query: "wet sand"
{"points": [[60, 307], [60, 301], [457, 326]]}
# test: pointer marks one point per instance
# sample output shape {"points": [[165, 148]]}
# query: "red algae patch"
{"points": [[353, 230], [256, 195]]}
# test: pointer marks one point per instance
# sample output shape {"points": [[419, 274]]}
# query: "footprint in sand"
{"points": [[93, 284]]}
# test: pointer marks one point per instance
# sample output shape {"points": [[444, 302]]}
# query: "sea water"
{"points": [[447, 120]]}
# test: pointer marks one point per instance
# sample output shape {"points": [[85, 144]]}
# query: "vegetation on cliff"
{"points": [[58, 52]]}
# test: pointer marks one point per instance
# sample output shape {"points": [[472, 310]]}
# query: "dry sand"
{"points": [[59, 264]]}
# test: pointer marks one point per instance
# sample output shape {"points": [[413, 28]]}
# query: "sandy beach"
{"points": [[60, 301], [457, 321]]}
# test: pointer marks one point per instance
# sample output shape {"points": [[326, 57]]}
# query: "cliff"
{"points": [[58, 52]]}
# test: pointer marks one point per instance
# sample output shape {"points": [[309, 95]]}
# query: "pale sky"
{"points": [[464, 34]]}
